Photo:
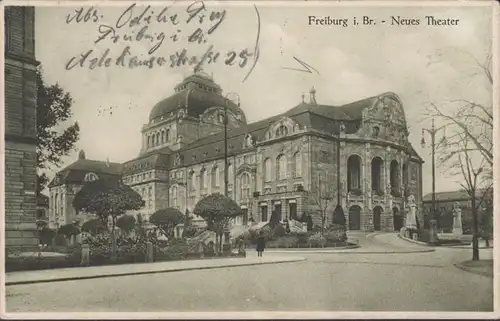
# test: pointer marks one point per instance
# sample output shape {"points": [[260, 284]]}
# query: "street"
{"points": [[425, 281]]}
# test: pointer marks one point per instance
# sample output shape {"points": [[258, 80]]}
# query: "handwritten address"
{"points": [[132, 31]]}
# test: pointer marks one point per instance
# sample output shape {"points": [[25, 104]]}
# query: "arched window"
{"points": [[215, 177], [167, 135], [395, 178], [282, 131], [281, 169], [230, 173], [173, 196], [405, 174], [162, 136], [203, 179], [377, 166], [90, 177], [267, 170], [353, 173], [157, 138], [148, 142], [245, 186], [297, 165], [56, 205], [192, 181]]}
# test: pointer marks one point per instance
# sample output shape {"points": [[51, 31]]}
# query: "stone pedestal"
{"points": [[411, 221], [457, 219], [433, 238], [149, 252], [85, 255]]}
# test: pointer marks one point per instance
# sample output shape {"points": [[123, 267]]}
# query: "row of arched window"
{"points": [[158, 138], [216, 177], [282, 167], [377, 165]]}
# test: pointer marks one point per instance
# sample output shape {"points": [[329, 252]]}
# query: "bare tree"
{"points": [[322, 196], [477, 180], [470, 118]]}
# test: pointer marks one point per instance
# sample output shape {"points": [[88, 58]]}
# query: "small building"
{"points": [[445, 201]]}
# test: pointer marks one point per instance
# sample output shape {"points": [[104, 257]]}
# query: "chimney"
{"points": [[107, 162], [81, 154], [312, 98]]}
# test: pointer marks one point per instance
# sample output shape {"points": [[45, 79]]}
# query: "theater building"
{"points": [[276, 164]]}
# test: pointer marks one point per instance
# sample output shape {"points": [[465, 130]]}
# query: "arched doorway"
{"points": [[377, 213], [397, 218], [354, 218]]}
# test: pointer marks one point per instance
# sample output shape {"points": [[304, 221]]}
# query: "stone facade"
{"points": [[287, 163], [20, 129]]}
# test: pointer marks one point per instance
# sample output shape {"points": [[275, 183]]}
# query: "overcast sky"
{"points": [[418, 63]]}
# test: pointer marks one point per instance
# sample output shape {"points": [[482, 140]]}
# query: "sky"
{"points": [[421, 64]]}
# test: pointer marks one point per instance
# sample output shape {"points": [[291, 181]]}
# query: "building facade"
{"points": [[20, 128], [286, 163], [445, 202]]}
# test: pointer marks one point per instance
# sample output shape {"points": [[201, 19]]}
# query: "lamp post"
{"points": [[432, 131], [339, 211]]}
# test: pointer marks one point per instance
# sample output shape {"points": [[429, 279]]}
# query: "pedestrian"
{"points": [[261, 244]]}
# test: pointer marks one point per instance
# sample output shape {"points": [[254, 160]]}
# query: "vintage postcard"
{"points": [[249, 159]]}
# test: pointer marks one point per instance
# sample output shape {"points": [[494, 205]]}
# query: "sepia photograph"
{"points": [[255, 159]]}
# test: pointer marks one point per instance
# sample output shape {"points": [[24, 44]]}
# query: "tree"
{"points": [[139, 226], [321, 195], [166, 220], [94, 226], [108, 198], [53, 110], [476, 181], [68, 230], [338, 216], [218, 210], [189, 230], [469, 118], [468, 151], [126, 223]]}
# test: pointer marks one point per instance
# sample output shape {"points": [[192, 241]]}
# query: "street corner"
{"points": [[481, 267]]}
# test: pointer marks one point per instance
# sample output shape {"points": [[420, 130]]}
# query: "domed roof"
{"points": [[196, 93]]}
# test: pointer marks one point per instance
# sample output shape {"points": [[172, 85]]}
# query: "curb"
{"points": [[86, 277], [311, 249], [357, 252], [413, 241], [462, 267]]}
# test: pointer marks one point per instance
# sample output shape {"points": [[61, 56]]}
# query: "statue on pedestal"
{"points": [[411, 221], [457, 219]]}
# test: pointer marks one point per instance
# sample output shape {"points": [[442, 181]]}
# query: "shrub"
{"points": [[176, 251], [287, 241], [279, 230], [20, 263], [317, 240]]}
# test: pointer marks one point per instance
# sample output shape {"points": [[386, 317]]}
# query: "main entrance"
{"points": [[397, 218], [377, 213], [354, 218]]}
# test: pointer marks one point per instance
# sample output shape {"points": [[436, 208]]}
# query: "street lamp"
{"points": [[226, 165], [432, 131], [339, 211]]}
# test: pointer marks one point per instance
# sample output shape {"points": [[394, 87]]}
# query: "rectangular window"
{"points": [[293, 210], [245, 216], [263, 213]]}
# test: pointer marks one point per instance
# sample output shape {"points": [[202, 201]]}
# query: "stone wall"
{"points": [[20, 129]]}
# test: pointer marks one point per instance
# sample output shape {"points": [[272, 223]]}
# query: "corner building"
{"points": [[279, 163], [20, 129]]}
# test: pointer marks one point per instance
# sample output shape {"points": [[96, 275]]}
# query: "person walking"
{"points": [[261, 244]]}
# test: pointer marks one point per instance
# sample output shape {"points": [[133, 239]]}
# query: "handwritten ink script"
{"points": [[160, 31]]}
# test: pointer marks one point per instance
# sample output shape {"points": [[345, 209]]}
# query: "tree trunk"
{"points": [[113, 240], [475, 237]]}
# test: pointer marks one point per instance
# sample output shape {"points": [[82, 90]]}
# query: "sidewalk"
{"points": [[482, 267], [93, 272]]}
